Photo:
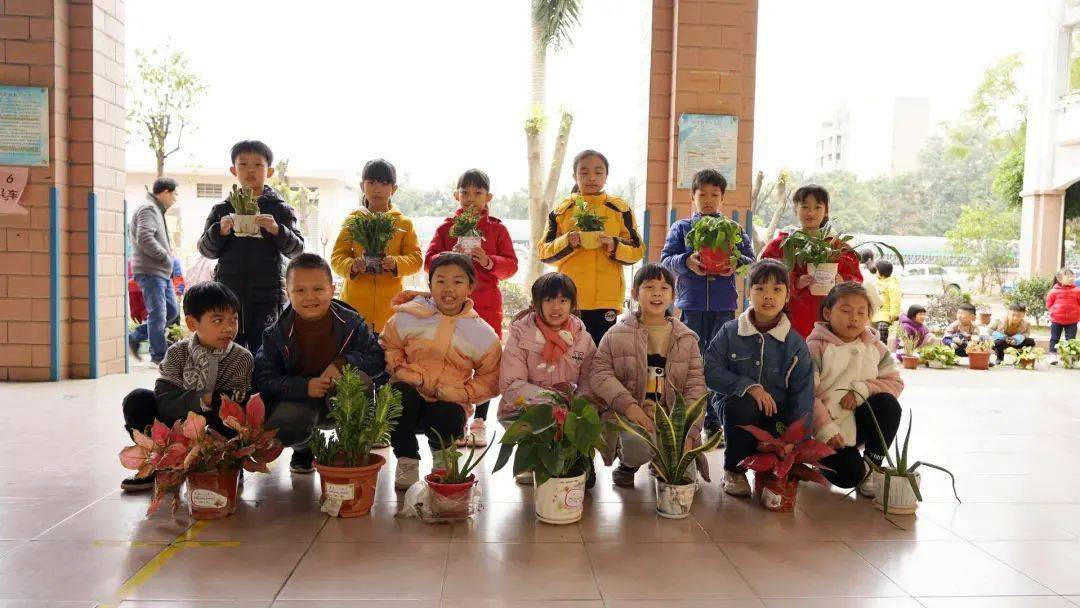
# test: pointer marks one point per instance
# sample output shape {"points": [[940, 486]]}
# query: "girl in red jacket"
{"points": [[494, 261], [812, 208], [1063, 303]]}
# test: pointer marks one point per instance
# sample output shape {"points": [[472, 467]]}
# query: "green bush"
{"points": [[941, 310], [515, 300], [1032, 294]]}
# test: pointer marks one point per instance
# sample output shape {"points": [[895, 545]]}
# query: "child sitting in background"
{"points": [[958, 334], [853, 374], [1012, 332], [888, 289], [196, 372], [1063, 304], [912, 324]]}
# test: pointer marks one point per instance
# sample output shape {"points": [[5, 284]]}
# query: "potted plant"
{"points": [[782, 462], [465, 230], [910, 344], [555, 437], [820, 251], [716, 239], [978, 352], [347, 469], [672, 453], [590, 224], [372, 232], [453, 483], [209, 464], [1069, 353], [984, 317], [245, 207], [1026, 357], [937, 356]]}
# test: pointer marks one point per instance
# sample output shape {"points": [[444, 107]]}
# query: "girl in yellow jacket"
{"points": [[369, 290], [595, 267]]}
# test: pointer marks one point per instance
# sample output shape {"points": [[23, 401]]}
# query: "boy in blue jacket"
{"points": [[761, 369], [705, 301], [303, 353]]}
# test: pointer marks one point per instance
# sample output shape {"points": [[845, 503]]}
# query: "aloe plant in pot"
{"points": [[348, 471], [555, 437], [452, 484], [590, 224], [245, 207], [672, 453], [820, 252]]}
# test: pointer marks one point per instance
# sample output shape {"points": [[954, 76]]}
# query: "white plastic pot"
{"points": [[935, 364], [469, 243], [824, 277], [902, 499], [560, 500], [244, 225], [674, 502]]}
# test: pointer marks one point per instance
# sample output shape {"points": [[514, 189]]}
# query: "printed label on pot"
{"points": [[340, 492], [575, 498], [207, 499], [771, 499], [824, 276], [331, 507]]}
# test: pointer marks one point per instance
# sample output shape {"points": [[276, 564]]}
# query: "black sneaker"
{"points": [[302, 461], [133, 348], [138, 484], [623, 476]]}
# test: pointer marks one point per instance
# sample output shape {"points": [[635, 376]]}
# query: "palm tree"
{"points": [[552, 23]]}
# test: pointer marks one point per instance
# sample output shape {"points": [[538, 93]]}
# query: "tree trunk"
{"points": [[774, 223], [534, 130], [557, 157]]}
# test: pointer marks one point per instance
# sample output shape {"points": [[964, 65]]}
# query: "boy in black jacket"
{"points": [[196, 372], [251, 266], [304, 351]]}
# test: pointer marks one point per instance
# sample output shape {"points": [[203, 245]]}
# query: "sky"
{"points": [[437, 87]]}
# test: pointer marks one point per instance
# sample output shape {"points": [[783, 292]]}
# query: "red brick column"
{"points": [[703, 62]]}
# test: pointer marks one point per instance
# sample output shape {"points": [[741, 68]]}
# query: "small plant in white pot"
{"points": [[672, 454], [465, 229], [590, 224], [1069, 353], [820, 252], [245, 207]]}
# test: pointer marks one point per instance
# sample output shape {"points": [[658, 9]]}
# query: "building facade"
{"points": [[873, 137]]}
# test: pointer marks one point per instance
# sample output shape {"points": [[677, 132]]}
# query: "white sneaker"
{"points": [[866, 488], [735, 484], [525, 479], [407, 473], [475, 436]]}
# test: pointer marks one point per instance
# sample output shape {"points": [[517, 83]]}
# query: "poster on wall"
{"points": [[24, 126], [708, 141], [12, 185]]}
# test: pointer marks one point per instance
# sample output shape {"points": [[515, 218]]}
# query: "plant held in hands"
{"points": [[820, 253], [716, 239], [587, 220], [372, 231], [243, 201], [465, 229]]}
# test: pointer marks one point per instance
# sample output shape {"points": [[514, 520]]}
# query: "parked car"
{"points": [[930, 279]]}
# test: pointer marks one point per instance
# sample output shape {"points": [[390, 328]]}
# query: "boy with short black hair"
{"points": [[303, 354], [888, 288], [706, 300], [197, 372], [251, 267], [958, 334]]}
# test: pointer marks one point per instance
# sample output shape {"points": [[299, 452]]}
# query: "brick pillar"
{"points": [[703, 62], [75, 49]]}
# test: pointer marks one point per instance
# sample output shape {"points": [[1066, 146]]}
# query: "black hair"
{"points": [[254, 146], [474, 178], [884, 268], [163, 184], [582, 156], [209, 296], [651, 272], [1018, 308], [450, 258], [915, 309], [553, 285], [820, 195], [379, 170], [711, 177], [842, 290], [766, 269], [309, 261], [967, 307], [866, 256]]}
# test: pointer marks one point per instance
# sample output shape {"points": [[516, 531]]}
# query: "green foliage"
{"points": [[161, 98], [176, 332], [453, 470], [672, 454], [515, 299], [465, 224], [716, 232], [299, 197], [372, 231], [557, 437], [939, 353], [243, 201], [1026, 357], [826, 246], [587, 220], [1069, 352], [358, 423], [1009, 177], [941, 309], [555, 20], [986, 234], [1031, 293]]}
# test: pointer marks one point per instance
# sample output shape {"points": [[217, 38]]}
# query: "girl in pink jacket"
{"points": [[850, 360]]}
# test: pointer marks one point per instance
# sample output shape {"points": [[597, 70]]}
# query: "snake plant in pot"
{"points": [[820, 252], [555, 437], [716, 240], [453, 483], [465, 228], [782, 462], [245, 207], [673, 453], [372, 232], [347, 469], [590, 224]]}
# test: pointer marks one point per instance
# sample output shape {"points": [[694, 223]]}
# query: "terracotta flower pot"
{"points": [[910, 362], [591, 240], [244, 225], [1025, 363], [984, 318], [212, 495], [978, 360], [714, 261], [560, 500], [824, 278], [350, 489], [776, 497], [450, 500]]}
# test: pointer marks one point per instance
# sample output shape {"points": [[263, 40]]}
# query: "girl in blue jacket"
{"points": [[761, 370], [705, 301]]}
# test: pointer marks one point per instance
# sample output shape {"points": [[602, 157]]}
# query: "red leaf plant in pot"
{"points": [[209, 462], [782, 462]]}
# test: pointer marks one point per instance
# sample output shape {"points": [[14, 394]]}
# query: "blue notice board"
{"points": [[708, 141], [24, 126]]}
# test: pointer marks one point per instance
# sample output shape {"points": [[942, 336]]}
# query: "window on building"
{"points": [[837, 155], [838, 141], [208, 190], [1074, 60]]}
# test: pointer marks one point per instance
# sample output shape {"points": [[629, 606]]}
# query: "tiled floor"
{"points": [[69, 538]]}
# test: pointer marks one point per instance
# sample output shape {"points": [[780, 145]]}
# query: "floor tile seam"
{"points": [[1007, 565], [87, 507], [299, 560]]}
